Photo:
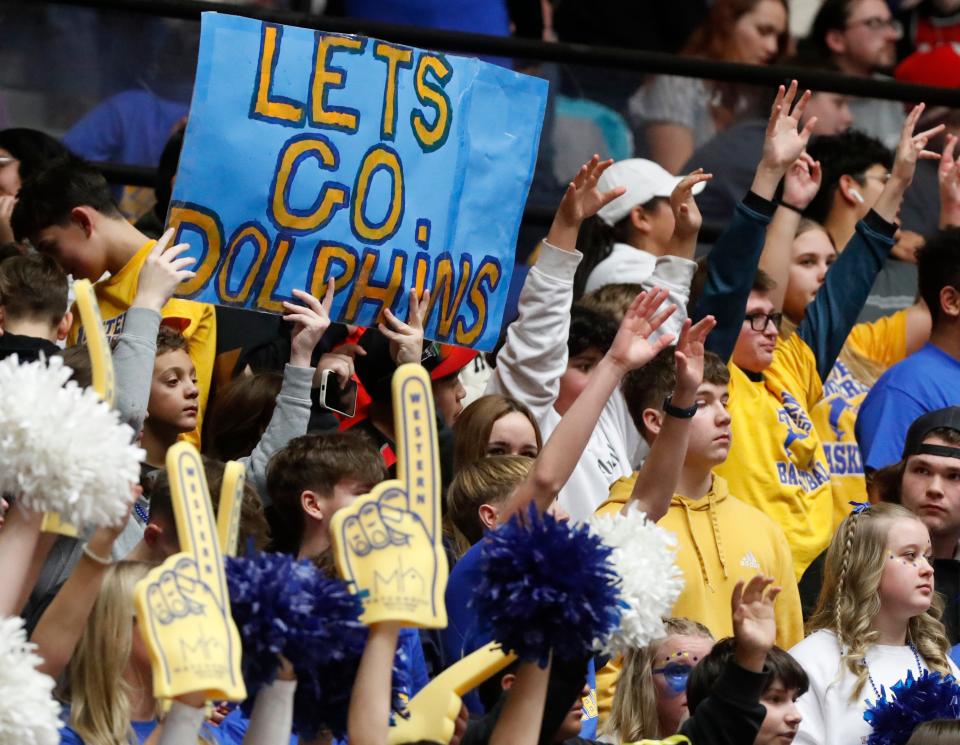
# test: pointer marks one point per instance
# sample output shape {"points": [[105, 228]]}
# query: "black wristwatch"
{"points": [[678, 412]]}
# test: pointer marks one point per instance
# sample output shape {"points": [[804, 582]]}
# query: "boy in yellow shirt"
{"points": [[68, 212], [720, 540], [797, 256], [777, 461]]}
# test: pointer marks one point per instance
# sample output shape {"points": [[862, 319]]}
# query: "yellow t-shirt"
{"points": [[115, 295], [776, 461], [720, 541], [869, 350]]}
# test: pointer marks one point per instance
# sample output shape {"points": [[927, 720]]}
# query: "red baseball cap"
{"points": [[449, 360]]}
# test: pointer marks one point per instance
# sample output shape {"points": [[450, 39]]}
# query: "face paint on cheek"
{"points": [[902, 561]]}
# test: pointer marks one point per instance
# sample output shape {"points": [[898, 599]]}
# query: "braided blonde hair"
{"points": [[850, 597]]}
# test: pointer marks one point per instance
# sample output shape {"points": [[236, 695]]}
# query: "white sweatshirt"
{"points": [[534, 357], [829, 718], [626, 264]]}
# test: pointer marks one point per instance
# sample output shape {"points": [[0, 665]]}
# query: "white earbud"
{"points": [[856, 195]]}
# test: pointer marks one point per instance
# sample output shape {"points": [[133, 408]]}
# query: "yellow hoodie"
{"points": [[720, 541]]}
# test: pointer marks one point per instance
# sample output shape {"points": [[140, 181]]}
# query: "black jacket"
{"points": [[27, 348]]}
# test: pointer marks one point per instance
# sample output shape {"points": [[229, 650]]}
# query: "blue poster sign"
{"points": [[311, 155]]}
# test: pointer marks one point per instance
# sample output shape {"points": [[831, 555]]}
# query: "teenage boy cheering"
{"points": [[68, 212], [777, 461]]}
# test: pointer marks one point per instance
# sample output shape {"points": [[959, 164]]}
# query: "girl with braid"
{"points": [[877, 619]]}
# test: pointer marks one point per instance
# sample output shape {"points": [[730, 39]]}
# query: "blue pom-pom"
{"points": [[288, 607], [912, 701], [547, 585]]}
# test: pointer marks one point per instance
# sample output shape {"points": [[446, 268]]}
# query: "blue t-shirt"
{"points": [[143, 730], [461, 637], [131, 127], [234, 726], [927, 380]]}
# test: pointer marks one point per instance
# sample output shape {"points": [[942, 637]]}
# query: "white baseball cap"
{"points": [[643, 180]]}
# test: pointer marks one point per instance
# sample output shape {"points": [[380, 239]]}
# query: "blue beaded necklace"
{"points": [[142, 515], [916, 656]]}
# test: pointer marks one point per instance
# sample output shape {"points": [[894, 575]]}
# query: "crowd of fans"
{"points": [[786, 406]]}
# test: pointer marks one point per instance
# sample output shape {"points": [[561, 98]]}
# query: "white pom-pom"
{"points": [[62, 449], [28, 713], [643, 556]]}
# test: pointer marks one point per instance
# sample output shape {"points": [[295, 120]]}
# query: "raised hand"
{"points": [[581, 200], [632, 346], [948, 175], [340, 362], [388, 544], [689, 355], [162, 273], [182, 606], [7, 203], [406, 339], [754, 623], [912, 147], [686, 214], [802, 181], [783, 142], [432, 714], [310, 321]]}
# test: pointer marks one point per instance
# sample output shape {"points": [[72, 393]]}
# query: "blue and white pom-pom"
{"points": [[547, 585], [289, 607], [62, 449], [912, 702], [650, 580], [29, 715]]}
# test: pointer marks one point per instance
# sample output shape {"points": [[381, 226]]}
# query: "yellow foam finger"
{"points": [[182, 606], [53, 523], [418, 456], [387, 544], [230, 507], [434, 710], [98, 347], [104, 383]]}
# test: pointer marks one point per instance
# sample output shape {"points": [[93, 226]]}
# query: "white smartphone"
{"points": [[333, 397]]}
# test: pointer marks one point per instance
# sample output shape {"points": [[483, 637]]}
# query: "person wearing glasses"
{"points": [[859, 37], [797, 256], [777, 461]]}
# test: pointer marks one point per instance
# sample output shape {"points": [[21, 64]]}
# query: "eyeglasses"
{"points": [[882, 177], [676, 675], [759, 321], [880, 24], [6, 160]]}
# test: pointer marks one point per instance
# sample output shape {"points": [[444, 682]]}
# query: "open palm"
{"points": [[754, 623], [583, 199], [690, 352], [632, 346], [784, 141]]}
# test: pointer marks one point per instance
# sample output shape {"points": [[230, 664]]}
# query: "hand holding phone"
{"points": [[341, 399]]}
